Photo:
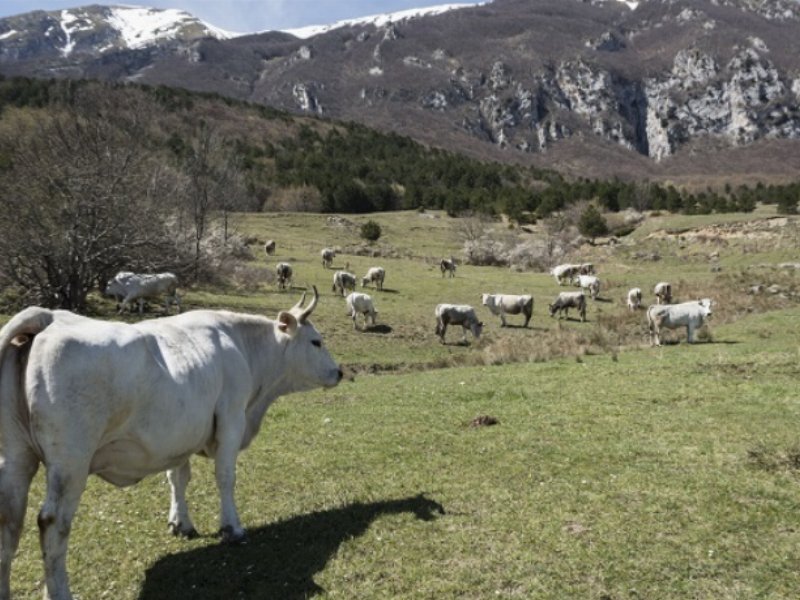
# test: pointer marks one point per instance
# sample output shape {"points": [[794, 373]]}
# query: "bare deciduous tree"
{"points": [[82, 197], [213, 188]]}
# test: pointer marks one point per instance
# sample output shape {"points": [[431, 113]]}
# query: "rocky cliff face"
{"points": [[515, 80]]}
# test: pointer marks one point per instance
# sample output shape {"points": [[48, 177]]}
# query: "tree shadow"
{"points": [[279, 560]]}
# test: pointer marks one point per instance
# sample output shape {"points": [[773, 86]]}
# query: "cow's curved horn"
{"points": [[312, 305], [299, 305]]}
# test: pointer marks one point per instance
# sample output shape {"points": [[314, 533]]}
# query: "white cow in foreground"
{"points": [[508, 304], [590, 283], [375, 275], [124, 401], [634, 298], [457, 314], [128, 287], [343, 280], [566, 300], [663, 292], [360, 304], [691, 315]]}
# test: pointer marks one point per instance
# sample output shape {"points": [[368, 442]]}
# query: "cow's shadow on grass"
{"points": [[278, 561], [387, 291], [604, 300], [461, 343], [380, 328]]}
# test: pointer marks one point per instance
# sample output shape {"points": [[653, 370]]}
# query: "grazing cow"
{"points": [[687, 314], [634, 298], [586, 269], [127, 287], [269, 247], [663, 292], [123, 401], [284, 272], [507, 304], [448, 265], [342, 280], [589, 282], [566, 300], [457, 314], [358, 303], [328, 254], [376, 275], [564, 273]]}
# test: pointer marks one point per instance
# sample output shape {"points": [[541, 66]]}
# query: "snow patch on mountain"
{"points": [[379, 20], [140, 27]]}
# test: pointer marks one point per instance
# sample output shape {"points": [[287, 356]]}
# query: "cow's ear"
{"points": [[287, 322]]}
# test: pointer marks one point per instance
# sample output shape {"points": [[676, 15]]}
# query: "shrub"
{"points": [[371, 231], [591, 223]]}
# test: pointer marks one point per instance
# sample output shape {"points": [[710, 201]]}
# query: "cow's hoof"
{"points": [[178, 531], [231, 536]]}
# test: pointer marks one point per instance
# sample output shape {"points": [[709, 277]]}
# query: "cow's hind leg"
{"points": [[179, 521], [64, 488], [230, 429], [15, 480]]}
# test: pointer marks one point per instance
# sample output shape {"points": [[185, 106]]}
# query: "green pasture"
{"points": [[615, 470]]}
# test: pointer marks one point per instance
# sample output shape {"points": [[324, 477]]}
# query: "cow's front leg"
{"points": [[502, 320], [689, 334], [65, 484], [179, 521], [230, 429]]}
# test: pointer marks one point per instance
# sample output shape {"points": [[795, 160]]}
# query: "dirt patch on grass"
{"points": [[773, 460], [775, 228]]}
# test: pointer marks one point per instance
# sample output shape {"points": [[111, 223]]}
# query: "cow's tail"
{"points": [[651, 322], [16, 336], [23, 326]]}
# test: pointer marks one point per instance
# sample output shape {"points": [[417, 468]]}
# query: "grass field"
{"points": [[615, 470]]}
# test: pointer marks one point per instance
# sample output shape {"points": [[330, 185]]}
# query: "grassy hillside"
{"points": [[616, 471]]}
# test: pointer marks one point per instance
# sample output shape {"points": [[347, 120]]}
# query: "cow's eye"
{"points": [[317, 343]]}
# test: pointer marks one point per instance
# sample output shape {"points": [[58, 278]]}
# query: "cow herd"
{"points": [[128, 287]]}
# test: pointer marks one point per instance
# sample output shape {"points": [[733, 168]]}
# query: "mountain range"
{"points": [[696, 92]]}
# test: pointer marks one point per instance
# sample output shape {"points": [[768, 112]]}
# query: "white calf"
{"points": [[448, 265], [691, 315], [634, 298], [589, 282], [663, 293], [457, 314], [128, 287], [508, 304], [358, 303], [342, 280], [375, 275]]}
